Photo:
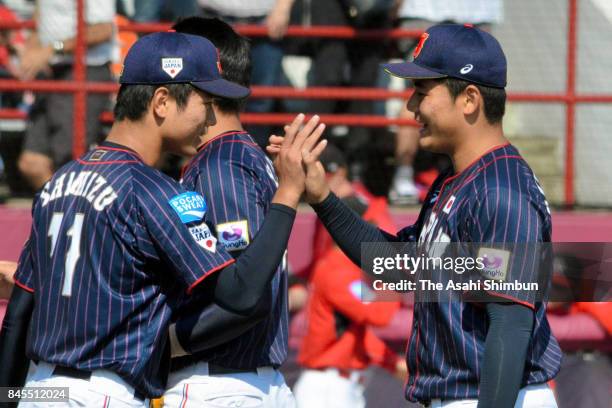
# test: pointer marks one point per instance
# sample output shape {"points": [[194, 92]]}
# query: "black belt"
{"points": [[85, 375], [214, 369], [72, 372]]}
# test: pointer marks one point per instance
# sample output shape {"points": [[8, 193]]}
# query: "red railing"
{"points": [[570, 104], [80, 87]]}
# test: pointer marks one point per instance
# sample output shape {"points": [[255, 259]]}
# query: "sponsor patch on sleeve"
{"points": [[234, 235], [495, 263], [204, 238], [189, 206]]}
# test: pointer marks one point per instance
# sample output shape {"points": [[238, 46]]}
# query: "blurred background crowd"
{"points": [[369, 167]]}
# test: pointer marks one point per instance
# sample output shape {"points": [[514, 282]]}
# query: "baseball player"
{"points": [[238, 362], [114, 242], [461, 353]]}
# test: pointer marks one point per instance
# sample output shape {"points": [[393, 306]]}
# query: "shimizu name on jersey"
{"points": [[87, 184]]}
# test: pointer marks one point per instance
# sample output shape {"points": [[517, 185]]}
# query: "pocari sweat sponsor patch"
{"points": [[189, 206]]}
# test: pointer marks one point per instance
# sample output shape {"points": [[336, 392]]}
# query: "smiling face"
{"points": [[185, 125], [438, 114]]}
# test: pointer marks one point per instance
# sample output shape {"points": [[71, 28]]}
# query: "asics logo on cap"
{"points": [[466, 69]]}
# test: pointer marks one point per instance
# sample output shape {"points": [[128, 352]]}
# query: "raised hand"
{"points": [[299, 143], [316, 186]]}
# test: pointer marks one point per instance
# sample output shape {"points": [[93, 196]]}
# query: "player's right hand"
{"points": [[299, 147], [401, 370], [316, 185], [7, 270]]}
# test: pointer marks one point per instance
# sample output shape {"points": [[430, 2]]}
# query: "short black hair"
{"points": [[133, 100], [234, 53], [494, 98]]}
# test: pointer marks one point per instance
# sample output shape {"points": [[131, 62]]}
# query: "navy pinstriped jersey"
{"points": [[238, 182], [113, 242], [496, 199]]}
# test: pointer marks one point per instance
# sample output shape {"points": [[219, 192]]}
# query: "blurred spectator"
{"points": [[419, 15], [23, 9], [266, 52], [374, 183], [11, 44], [11, 137], [584, 331], [125, 40], [339, 343], [371, 193], [340, 62], [151, 11], [48, 54]]}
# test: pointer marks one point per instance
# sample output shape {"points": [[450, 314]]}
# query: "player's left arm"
{"points": [[234, 205], [13, 335], [508, 336], [512, 224], [212, 326]]}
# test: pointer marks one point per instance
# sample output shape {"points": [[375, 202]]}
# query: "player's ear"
{"points": [[471, 100], [160, 102]]}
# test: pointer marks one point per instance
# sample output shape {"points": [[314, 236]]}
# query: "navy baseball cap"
{"points": [[455, 50], [178, 58]]}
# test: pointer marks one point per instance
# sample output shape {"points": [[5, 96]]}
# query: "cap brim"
{"points": [[223, 88], [410, 70]]}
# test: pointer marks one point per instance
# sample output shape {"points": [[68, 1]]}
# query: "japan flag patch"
{"points": [[449, 205], [172, 66], [204, 238]]}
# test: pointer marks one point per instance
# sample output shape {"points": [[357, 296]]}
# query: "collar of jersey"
{"points": [[221, 136], [472, 165], [198, 155], [116, 147]]}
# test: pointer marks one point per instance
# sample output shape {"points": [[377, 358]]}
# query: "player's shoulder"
{"points": [[148, 181], [504, 180], [155, 191], [235, 148], [504, 169], [231, 153]]}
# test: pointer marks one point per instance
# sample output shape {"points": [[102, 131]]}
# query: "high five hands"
{"points": [[296, 158]]}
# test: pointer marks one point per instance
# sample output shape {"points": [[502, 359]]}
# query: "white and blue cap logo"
{"points": [[189, 206]]}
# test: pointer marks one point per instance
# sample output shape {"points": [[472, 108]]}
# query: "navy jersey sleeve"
{"points": [[24, 273], [238, 200], [25, 267], [175, 231], [509, 228]]}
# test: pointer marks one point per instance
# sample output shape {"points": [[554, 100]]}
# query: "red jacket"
{"points": [[378, 213], [338, 333]]}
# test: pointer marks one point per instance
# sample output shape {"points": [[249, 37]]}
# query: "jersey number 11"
{"points": [[74, 252]]}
